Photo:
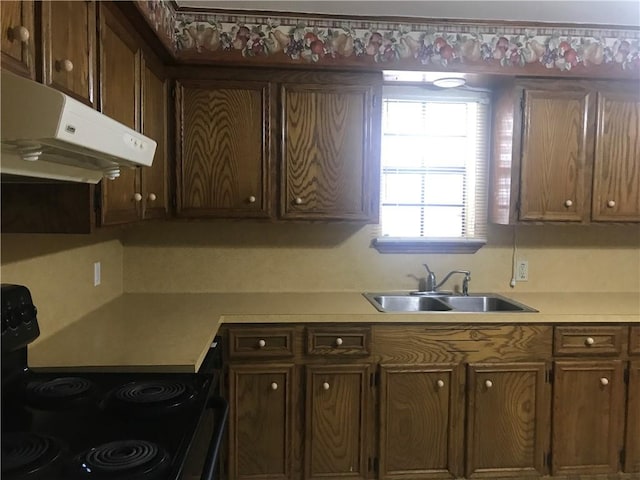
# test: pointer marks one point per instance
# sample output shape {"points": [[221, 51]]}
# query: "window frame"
{"points": [[388, 244]]}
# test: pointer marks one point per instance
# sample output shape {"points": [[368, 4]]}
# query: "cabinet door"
{"points": [[120, 100], [421, 422], [508, 417], [329, 160], [16, 18], [260, 421], [555, 155], [632, 447], [154, 125], [588, 413], [616, 180], [337, 402], [223, 153], [68, 47]]}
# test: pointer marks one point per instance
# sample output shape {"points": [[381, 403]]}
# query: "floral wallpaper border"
{"points": [[422, 45]]}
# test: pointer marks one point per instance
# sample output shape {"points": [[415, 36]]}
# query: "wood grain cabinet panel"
{"points": [[261, 421], [154, 179], [632, 443], [339, 341], [18, 37], [68, 48], [119, 99], [566, 151], [223, 148], [616, 179], [328, 152], [421, 422], [588, 417], [507, 420], [260, 343], [634, 340], [588, 341], [554, 155], [337, 416]]}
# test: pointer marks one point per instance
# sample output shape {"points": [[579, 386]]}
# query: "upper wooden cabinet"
{"points": [[68, 47], [17, 44], [327, 152], [616, 176], [566, 151], [135, 94], [317, 132], [223, 152]]}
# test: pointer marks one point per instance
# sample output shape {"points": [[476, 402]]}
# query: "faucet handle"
{"points": [[465, 283], [430, 280]]}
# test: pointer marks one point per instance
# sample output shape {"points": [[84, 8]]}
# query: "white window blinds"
{"points": [[434, 163]]}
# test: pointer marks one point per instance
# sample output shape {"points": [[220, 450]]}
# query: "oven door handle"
{"points": [[222, 406]]}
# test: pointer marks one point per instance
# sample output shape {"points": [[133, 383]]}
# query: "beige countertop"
{"points": [[172, 332]]}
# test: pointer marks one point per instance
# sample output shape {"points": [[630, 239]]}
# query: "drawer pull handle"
{"points": [[137, 197], [252, 199], [274, 386], [488, 383], [611, 203], [65, 65], [339, 341], [568, 203], [152, 197], [589, 341], [604, 381], [261, 343], [440, 383], [325, 386], [19, 33], [298, 201]]}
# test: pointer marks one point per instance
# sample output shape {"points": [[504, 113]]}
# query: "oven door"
{"points": [[202, 458]]}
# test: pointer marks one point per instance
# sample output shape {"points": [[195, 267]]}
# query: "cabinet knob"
{"points": [[589, 341], [252, 199], [261, 343], [611, 203], [568, 203], [488, 383], [604, 381], [137, 197], [152, 197], [339, 341], [65, 65], [274, 386], [440, 383], [20, 33], [325, 385], [298, 201]]}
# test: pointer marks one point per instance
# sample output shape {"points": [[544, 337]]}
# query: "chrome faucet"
{"points": [[432, 286]]}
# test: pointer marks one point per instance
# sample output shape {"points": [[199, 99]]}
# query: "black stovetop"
{"points": [[100, 425]]}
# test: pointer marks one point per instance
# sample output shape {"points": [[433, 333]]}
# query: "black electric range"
{"points": [[125, 426]]}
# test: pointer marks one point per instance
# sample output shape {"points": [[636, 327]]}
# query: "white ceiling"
{"points": [[596, 12]]}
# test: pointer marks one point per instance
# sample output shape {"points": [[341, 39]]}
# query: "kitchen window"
{"points": [[434, 156]]}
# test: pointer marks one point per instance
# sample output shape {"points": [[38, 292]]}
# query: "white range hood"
{"points": [[47, 134]]}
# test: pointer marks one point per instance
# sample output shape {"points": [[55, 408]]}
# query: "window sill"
{"points": [[426, 245]]}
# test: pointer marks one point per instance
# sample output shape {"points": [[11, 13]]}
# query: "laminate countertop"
{"points": [[172, 332]]}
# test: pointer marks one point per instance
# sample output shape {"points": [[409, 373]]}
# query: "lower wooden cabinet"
{"points": [[261, 421], [432, 402], [421, 421], [632, 444], [507, 420], [336, 421], [588, 417]]}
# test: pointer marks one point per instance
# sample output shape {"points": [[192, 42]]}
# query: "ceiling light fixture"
{"points": [[449, 82]]}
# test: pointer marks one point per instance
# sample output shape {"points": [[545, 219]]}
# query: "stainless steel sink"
{"points": [[410, 302], [407, 303]]}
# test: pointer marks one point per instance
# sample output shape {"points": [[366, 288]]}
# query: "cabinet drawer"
{"points": [[254, 343], [588, 340], [339, 341], [634, 341]]}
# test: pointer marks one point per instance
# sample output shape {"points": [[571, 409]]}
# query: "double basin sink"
{"points": [[420, 302]]}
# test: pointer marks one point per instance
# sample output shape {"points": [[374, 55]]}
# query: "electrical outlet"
{"points": [[96, 274], [522, 271]]}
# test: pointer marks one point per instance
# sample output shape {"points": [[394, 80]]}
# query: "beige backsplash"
{"points": [[58, 269], [224, 256], [228, 256]]}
